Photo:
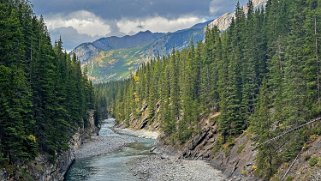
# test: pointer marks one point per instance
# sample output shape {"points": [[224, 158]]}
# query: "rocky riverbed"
{"points": [[158, 167], [110, 140], [123, 154]]}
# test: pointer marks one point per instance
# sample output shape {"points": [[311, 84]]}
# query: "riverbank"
{"points": [[108, 141], [160, 164], [158, 167], [166, 165], [42, 167]]}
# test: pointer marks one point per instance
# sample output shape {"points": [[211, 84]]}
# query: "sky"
{"points": [[79, 21]]}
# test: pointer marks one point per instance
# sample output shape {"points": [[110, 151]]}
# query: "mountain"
{"points": [[224, 21], [114, 58], [178, 40], [87, 50]]}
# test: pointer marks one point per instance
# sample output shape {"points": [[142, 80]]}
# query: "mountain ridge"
{"points": [[108, 58], [86, 50], [105, 63]]}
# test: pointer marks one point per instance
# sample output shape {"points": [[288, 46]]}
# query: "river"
{"points": [[122, 155], [113, 166]]}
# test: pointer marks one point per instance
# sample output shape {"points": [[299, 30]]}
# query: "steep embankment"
{"points": [[237, 158], [41, 168], [306, 166]]}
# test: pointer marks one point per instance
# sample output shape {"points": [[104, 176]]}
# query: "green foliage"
{"points": [[314, 161], [289, 178], [115, 64], [240, 149], [263, 73], [44, 95], [24, 175], [218, 144]]}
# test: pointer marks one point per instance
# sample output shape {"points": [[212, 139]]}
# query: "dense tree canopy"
{"points": [[263, 73], [44, 96]]}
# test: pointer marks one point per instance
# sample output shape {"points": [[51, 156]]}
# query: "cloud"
{"points": [[79, 21], [84, 22], [157, 24], [70, 37], [118, 9], [219, 7]]}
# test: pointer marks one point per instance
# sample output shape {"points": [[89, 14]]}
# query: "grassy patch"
{"points": [[228, 146], [313, 161], [244, 172], [218, 145], [289, 178]]}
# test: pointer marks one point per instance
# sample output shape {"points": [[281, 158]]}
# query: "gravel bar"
{"points": [[163, 165]]}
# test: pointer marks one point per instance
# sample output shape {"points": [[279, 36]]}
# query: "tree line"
{"points": [[260, 75], [44, 95]]}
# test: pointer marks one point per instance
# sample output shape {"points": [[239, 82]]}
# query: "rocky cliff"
{"points": [[42, 169], [236, 158], [224, 21]]}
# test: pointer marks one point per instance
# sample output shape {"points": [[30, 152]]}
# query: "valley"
{"points": [[160, 90], [126, 54]]}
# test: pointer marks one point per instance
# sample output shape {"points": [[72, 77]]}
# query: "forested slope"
{"points": [[44, 95], [261, 75]]}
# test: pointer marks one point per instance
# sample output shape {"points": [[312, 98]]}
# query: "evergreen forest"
{"points": [[44, 95], [261, 76]]}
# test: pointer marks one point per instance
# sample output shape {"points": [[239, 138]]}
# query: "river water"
{"points": [[113, 166]]}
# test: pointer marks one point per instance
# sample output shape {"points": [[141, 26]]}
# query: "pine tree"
{"points": [[261, 124]]}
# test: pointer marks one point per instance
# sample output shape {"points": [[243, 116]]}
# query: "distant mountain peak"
{"points": [[87, 50], [114, 58], [145, 32], [224, 21]]}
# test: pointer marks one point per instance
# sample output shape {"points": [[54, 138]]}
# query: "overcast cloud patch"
{"points": [[157, 24], [83, 20], [70, 37]]}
